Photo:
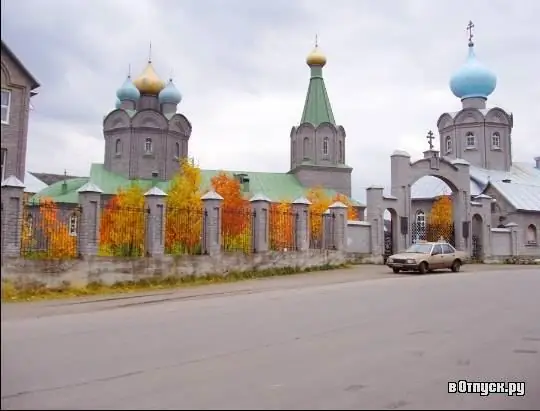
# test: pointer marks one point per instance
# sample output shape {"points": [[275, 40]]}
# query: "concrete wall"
{"points": [[109, 270], [359, 237], [501, 242]]}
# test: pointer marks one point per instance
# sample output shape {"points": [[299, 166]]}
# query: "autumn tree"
{"points": [[440, 219], [281, 226], [51, 229], [184, 210], [123, 220], [352, 213], [236, 215]]}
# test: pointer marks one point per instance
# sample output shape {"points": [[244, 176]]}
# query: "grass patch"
{"points": [[36, 291]]}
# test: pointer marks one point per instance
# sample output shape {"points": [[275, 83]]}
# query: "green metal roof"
{"points": [[276, 186], [317, 108]]}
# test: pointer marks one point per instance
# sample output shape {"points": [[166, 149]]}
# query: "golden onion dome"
{"points": [[316, 58], [149, 82]]}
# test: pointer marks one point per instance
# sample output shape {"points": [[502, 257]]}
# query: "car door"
{"points": [[437, 257], [449, 255]]}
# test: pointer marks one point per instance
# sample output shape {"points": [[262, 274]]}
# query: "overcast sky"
{"points": [[240, 65]]}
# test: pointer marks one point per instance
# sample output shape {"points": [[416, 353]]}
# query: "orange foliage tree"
{"points": [[184, 211], [122, 230], [54, 233], [236, 216], [281, 226], [320, 202], [440, 219]]}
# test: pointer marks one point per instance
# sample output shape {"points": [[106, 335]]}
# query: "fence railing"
{"points": [[282, 228], [49, 230], [237, 229], [184, 230], [316, 228], [123, 231]]}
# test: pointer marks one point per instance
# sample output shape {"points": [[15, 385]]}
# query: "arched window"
{"points": [[340, 145], [148, 145], [532, 235], [177, 150], [448, 143], [420, 226], [118, 147], [325, 146], [73, 225], [470, 140], [496, 141], [305, 148]]}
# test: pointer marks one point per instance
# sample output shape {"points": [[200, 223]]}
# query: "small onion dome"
{"points": [[149, 82], [128, 91], [316, 58], [170, 94]]}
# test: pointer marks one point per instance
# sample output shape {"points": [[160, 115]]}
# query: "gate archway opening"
{"points": [[477, 253], [391, 232]]}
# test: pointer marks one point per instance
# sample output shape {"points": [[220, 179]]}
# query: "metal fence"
{"points": [[282, 227], [184, 230], [316, 228], [433, 232], [49, 230], [123, 231], [237, 229]]}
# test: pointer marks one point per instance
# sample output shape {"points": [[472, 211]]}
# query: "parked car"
{"points": [[427, 256]]}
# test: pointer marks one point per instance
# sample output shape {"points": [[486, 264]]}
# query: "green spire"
{"points": [[317, 108]]}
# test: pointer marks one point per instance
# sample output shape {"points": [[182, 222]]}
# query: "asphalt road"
{"points": [[392, 342]]}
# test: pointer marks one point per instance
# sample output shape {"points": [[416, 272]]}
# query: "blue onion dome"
{"points": [[170, 94], [128, 91], [473, 79], [118, 103]]}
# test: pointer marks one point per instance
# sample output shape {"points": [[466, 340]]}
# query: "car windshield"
{"points": [[419, 248]]}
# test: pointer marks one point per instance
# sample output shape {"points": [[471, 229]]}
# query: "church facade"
{"points": [[146, 137]]}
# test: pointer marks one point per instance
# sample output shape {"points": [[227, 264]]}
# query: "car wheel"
{"points": [[423, 268], [396, 270], [456, 266]]}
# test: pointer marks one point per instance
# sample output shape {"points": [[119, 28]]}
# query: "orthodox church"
{"points": [[146, 137]]}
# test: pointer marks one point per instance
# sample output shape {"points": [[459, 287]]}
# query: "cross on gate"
{"points": [[430, 138]]}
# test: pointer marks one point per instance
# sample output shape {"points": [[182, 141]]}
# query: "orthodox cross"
{"points": [[430, 138], [150, 53], [316, 41], [470, 27]]}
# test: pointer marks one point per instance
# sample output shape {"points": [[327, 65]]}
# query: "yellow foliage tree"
{"points": [[184, 211], [281, 226], [440, 219], [123, 222]]}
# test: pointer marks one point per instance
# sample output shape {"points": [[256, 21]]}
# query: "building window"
{"points": [[496, 141], [4, 159], [420, 226], [148, 146], [177, 150], [73, 225], [325, 146], [340, 146], [448, 144], [6, 102], [532, 235], [118, 147], [305, 148], [470, 140]]}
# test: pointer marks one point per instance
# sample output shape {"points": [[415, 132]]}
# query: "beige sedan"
{"points": [[427, 256]]}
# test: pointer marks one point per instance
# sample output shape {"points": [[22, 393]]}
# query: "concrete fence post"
{"points": [[375, 216], [211, 239], [12, 216], [260, 207], [90, 219], [154, 203], [514, 238], [338, 211], [300, 207]]}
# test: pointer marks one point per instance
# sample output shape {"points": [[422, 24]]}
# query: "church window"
{"points": [[6, 104], [448, 144], [325, 146], [340, 145], [470, 140], [305, 148], [148, 145], [177, 150], [73, 223], [532, 235], [496, 141], [420, 226], [118, 146]]}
